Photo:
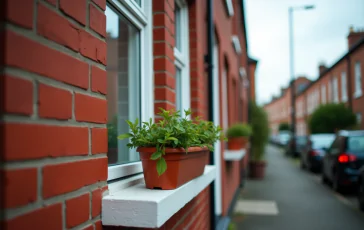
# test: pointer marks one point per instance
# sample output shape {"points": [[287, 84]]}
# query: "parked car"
{"points": [[299, 142], [361, 189], [343, 160], [315, 149], [283, 138]]}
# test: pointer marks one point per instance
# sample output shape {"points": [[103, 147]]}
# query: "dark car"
{"points": [[361, 189], [299, 142], [315, 149], [343, 160]]}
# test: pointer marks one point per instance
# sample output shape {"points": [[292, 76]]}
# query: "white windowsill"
{"points": [[137, 206], [358, 94], [234, 155]]}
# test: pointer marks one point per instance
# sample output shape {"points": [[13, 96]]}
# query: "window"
{"points": [[236, 44], [181, 54], [358, 118], [129, 84], [335, 90], [225, 107], [323, 94], [329, 89], [344, 93], [358, 86], [229, 7]]}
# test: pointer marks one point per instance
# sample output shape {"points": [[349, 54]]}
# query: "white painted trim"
{"points": [[242, 72], [142, 18], [138, 206], [236, 44], [122, 170], [217, 146], [229, 7], [234, 155]]}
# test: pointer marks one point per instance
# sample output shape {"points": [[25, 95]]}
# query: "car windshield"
{"points": [[356, 144], [319, 142]]}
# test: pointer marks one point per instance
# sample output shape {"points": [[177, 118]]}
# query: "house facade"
{"points": [[340, 83], [74, 71]]}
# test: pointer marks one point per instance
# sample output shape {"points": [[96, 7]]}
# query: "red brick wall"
{"points": [[55, 113], [358, 103]]}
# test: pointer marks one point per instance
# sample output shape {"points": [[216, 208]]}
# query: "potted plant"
{"points": [[260, 136], [173, 150], [238, 135]]}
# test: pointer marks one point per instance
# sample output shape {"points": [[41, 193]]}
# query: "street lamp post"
{"points": [[291, 67]]}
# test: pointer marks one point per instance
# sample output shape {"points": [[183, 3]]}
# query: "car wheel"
{"points": [[361, 196]]}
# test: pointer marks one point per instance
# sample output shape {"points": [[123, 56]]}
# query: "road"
{"points": [[292, 199]]}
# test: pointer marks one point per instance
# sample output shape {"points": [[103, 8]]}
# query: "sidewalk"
{"points": [[289, 199]]}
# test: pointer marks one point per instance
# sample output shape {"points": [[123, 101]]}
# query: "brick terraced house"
{"points": [[75, 70], [340, 83]]}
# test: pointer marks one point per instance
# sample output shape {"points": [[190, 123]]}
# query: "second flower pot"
{"points": [[181, 167], [237, 143]]}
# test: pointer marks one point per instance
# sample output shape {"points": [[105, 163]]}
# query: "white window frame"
{"points": [[323, 94], [344, 91], [358, 80], [335, 89], [229, 7], [141, 17], [236, 43], [182, 58]]}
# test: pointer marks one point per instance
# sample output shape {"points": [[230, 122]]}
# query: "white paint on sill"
{"points": [[137, 206], [234, 155], [257, 207]]}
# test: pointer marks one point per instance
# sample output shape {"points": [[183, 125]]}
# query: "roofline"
{"points": [[351, 50], [252, 60], [244, 25]]}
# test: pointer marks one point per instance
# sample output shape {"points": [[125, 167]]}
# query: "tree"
{"points": [[330, 118], [284, 126], [260, 131]]}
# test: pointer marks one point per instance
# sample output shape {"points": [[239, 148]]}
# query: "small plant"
{"points": [[260, 126], [172, 131], [239, 130], [284, 126]]}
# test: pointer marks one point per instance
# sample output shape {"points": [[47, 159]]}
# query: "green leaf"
{"points": [[172, 139], [161, 166], [156, 155], [124, 136]]}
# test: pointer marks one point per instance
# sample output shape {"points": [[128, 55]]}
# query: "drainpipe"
{"points": [[210, 44]]}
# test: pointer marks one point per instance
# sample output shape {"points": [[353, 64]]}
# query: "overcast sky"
{"points": [[319, 34]]}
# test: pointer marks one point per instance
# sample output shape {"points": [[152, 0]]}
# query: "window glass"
{"points": [[138, 2], [358, 86], [356, 144], [344, 95], [179, 91], [123, 84], [319, 142], [178, 32]]}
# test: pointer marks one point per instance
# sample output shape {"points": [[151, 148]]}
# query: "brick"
{"points": [[54, 103], [77, 210], [98, 80], [97, 20], [163, 20], [163, 6], [99, 141], [92, 47], [163, 49], [56, 28], [90, 109], [165, 94], [56, 178], [18, 95], [98, 225], [164, 64], [20, 187], [39, 141], [75, 9], [20, 12], [164, 79], [100, 3], [53, 2], [34, 57], [161, 34], [96, 202], [48, 217], [164, 105]]}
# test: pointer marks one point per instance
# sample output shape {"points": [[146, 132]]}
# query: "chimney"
{"points": [[322, 68], [354, 36]]}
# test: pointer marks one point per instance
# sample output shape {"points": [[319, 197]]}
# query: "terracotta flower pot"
{"points": [[181, 167], [237, 143], [257, 169]]}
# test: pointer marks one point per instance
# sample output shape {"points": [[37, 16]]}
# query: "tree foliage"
{"points": [[284, 126], [329, 118], [260, 131]]}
